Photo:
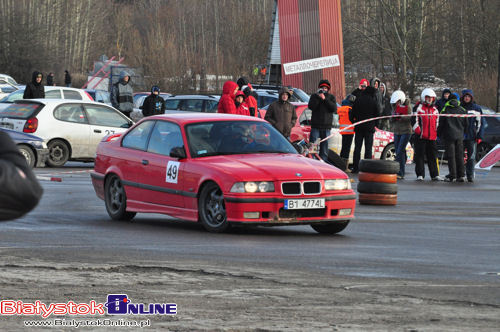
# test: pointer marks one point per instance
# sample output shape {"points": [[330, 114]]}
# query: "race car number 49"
{"points": [[312, 203]]}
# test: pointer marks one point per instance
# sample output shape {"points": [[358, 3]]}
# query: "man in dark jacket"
{"points": [[35, 88], [474, 133], [50, 79], [67, 78], [20, 190], [122, 94], [281, 113], [365, 107], [323, 105], [153, 104], [444, 99], [451, 130], [385, 124]]}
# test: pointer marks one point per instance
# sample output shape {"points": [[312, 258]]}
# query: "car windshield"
{"points": [[235, 137]]}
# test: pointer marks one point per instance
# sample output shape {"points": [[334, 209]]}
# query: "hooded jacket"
{"points": [[475, 129], [33, 89], [251, 100], [153, 104], [378, 95], [451, 128], [226, 102], [20, 191], [442, 101], [281, 114], [365, 107], [322, 109], [386, 102], [122, 94]]}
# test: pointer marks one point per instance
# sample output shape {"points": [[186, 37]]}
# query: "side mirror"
{"points": [[178, 152]]}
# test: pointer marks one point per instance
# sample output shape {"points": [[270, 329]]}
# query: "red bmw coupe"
{"points": [[219, 170]]}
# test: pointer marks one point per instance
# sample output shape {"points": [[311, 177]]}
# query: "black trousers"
{"points": [[425, 148], [346, 146], [359, 137], [455, 155]]}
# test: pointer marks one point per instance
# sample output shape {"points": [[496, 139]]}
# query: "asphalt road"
{"points": [[438, 234]]}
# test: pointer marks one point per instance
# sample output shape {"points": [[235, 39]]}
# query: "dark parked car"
{"points": [[491, 135], [32, 147]]}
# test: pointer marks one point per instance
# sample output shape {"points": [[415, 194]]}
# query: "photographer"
{"points": [[20, 191], [323, 105]]}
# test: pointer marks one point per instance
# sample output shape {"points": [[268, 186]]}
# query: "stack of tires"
{"points": [[378, 182]]}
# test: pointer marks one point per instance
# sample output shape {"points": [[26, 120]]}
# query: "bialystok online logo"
{"points": [[117, 304]]}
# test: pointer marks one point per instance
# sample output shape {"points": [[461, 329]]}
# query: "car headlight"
{"points": [[252, 187], [338, 184]]}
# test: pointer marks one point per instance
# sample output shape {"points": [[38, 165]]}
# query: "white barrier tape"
{"points": [[406, 116]]}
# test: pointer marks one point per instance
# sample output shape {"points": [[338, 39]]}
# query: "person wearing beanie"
{"points": [[474, 133], [323, 105], [35, 88], [361, 87], [452, 130], [444, 98], [346, 131], [251, 99], [364, 108], [226, 101], [153, 104], [281, 114]]}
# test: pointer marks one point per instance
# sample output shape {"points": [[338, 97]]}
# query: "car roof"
{"points": [[190, 117], [51, 102]]}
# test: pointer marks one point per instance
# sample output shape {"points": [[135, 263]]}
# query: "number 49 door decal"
{"points": [[172, 171]]}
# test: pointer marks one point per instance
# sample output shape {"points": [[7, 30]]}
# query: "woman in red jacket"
{"points": [[226, 102]]}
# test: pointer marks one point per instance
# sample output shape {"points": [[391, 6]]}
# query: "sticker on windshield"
{"points": [[172, 171]]}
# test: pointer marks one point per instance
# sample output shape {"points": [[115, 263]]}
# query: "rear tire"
{"points": [[336, 160], [58, 153], [28, 154], [377, 199], [330, 228], [116, 199], [389, 152], [378, 166], [377, 188]]}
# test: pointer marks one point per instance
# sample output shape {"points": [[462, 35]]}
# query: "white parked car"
{"points": [[4, 78], [51, 92], [71, 128]]}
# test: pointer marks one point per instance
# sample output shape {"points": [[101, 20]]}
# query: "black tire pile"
{"points": [[378, 182]]}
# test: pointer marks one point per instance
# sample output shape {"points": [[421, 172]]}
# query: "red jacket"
{"points": [[226, 101], [252, 102], [243, 109], [426, 126]]}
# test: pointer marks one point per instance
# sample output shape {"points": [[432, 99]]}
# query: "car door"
{"points": [[163, 174], [73, 126], [103, 121], [135, 143]]}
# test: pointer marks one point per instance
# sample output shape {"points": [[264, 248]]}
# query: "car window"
{"points": [[7, 89], [71, 94], [21, 110], [16, 95], [53, 94], [105, 116], [172, 104], [192, 105], [137, 138], [165, 136], [265, 100], [211, 106], [70, 113], [305, 117]]}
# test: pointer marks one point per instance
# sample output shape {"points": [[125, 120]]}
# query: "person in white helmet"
{"points": [[425, 125], [401, 127]]}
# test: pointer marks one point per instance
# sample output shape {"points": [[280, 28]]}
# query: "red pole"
{"points": [[107, 74], [100, 70]]}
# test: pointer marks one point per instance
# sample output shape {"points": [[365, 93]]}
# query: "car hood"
{"points": [[270, 166]]}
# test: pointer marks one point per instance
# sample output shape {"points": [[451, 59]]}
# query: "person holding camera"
{"points": [[323, 105]]}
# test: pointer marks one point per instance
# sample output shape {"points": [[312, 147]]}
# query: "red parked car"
{"points": [[219, 170]]}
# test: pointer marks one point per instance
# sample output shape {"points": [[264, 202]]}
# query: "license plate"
{"points": [[310, 203]]}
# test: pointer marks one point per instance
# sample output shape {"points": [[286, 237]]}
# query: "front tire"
{"points": [[389, 152], [212, 210], [330, 228], [116, 199], [58, 153], [28, 154]]}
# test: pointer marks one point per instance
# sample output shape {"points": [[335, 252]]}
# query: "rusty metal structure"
{"points": [[307, 35]]}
